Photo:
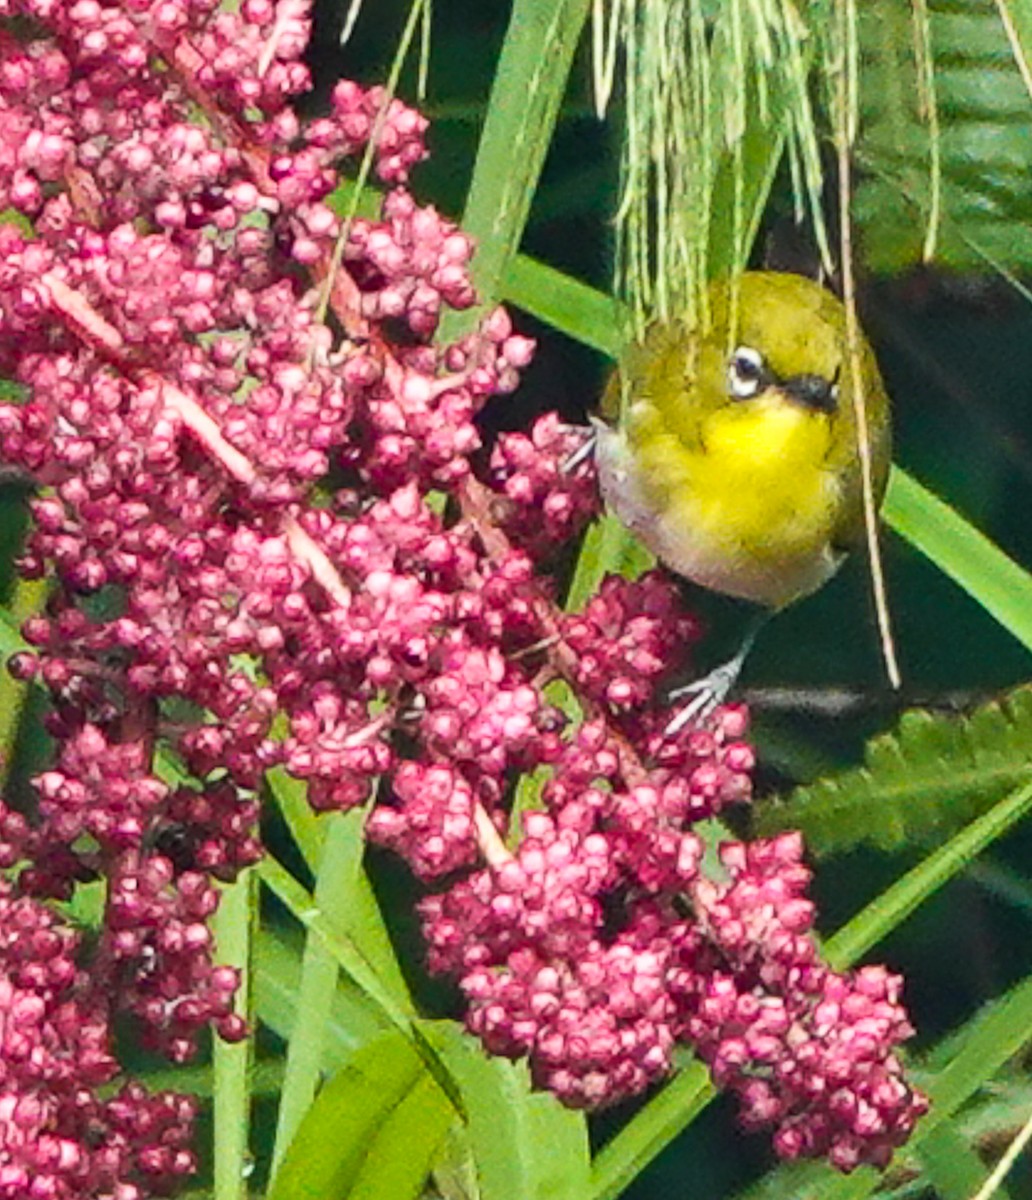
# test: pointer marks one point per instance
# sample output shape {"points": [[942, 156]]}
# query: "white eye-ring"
{"points": [[833, 391], [745, 372]]}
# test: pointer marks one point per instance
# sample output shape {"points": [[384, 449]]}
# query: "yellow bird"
{"points": [[736, 458]]}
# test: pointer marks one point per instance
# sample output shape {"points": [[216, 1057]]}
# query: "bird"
{"points": [[735, 457]]}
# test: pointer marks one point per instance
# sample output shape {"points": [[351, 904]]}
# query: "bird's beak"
{"points": [[813, 391]]}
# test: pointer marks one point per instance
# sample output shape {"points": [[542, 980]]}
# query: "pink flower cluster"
{"points": [[598, 998], [806, 1050], [199, 381], [542, 504], [60, 1135]]}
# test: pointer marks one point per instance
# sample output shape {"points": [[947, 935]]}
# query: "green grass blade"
{"points": [[539, 1151], [302, 906], [354, 1019], [960, 551], [339, 881], [232, 926], [403, 1154], [529, 85], [28, 598], [307, 828], [897, 902], [952, 1165], [1016, 16], [381, 1106], [581, 312], [622, 1159]]}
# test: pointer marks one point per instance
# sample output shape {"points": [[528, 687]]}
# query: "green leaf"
{"points": [[988, 1041], [918, 784], [899, 900], [231, 1063], [609, 548], [349, 957], [11, 640], [306, 827], [979, 143], [343, 893], [381, 1118], [960, 551], [581, 312], [397, 1163], [351, 960], [1016, 17], [353, 1018], [524, 1143], [952, 1165], [528, 87], [654, 1127], [27, 599]]}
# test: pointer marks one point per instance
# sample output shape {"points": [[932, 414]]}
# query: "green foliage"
{"points": [[918, 784], [982, 113], [534, 65], [344, 897], [233, 927], [521, 1143], [962, 552], [372, 1131], [381, 1122]]}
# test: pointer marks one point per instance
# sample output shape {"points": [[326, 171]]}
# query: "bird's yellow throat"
{"points": [[740, 509], [759, 478]]}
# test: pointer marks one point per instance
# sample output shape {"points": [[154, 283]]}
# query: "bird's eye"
{"points": [[745, 373]]}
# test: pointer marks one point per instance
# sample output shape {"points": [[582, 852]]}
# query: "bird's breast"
{"points": [[748, 510]]}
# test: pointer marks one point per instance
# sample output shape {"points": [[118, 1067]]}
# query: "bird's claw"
{"points": [[706, 695], [583, 452]]}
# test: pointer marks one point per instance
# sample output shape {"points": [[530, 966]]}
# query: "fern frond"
{"points": [[918, 785]]}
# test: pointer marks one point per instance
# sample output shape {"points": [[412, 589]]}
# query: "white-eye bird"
{"points": [[736, 459]]}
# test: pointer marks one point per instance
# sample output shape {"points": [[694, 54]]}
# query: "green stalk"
{"points": [[28, 596], [232, 926]]}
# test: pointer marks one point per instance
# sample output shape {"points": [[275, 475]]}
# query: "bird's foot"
{"points": [[703, 696], [583, 452]]}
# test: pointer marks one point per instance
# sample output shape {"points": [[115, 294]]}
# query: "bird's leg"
{"points": [[707, 693]]}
